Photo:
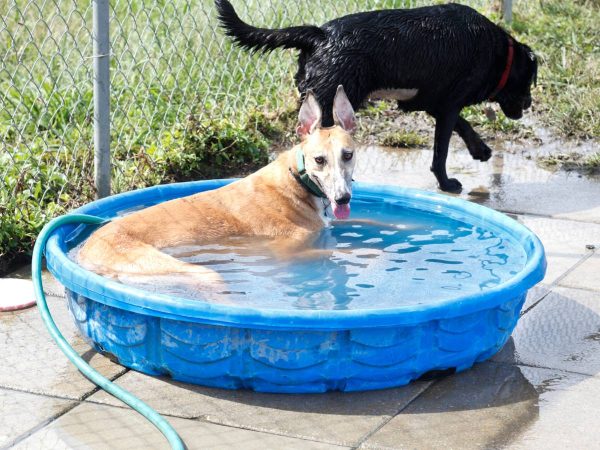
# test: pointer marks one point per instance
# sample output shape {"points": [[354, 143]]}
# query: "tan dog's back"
{"points": [[263, 204]]}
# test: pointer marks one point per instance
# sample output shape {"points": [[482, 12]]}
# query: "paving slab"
{"points": [[338, 418], [511, 180], [561, 332], [32, 362], [22, 412], [564, 242], [499, 406], [535, 295], [93, 426], [568, 412], [585, 276]]}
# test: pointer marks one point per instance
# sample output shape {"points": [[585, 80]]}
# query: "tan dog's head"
{"points": [[329, 153]]}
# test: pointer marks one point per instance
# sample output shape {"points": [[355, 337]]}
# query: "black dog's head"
{"points": [[516, 95]]}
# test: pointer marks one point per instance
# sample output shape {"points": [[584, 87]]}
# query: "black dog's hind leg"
{"points": [[444, 125], [477, 148]]}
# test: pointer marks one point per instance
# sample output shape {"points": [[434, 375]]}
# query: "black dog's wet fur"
{"points": [[452, 54]]}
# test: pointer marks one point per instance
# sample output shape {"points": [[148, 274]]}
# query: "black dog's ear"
{"points": [[309, 117], [534, 60], [343, 113], [535, 70]]}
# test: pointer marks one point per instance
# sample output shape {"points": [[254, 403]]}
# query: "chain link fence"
{"points": [[172, 73]]}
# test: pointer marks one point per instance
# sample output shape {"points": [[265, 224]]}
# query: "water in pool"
{"points": [[407, 257]]}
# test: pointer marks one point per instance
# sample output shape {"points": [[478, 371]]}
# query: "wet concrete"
{"points": [[561, 332], [486, 407], [565, 242], [497, 406], [587, 276], [568, 406], [511, 181], [336, 418]]}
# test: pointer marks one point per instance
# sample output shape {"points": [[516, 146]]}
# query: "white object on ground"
{"points": [[16, 294]]}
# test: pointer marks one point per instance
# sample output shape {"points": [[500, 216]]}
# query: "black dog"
{"points": [[437, 59]]}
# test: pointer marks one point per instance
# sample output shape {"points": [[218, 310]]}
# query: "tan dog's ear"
{"points": [[343, 113], [309, 117]]}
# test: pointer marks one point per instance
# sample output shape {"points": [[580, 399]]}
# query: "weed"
{"points": [[403, 139], [573, 161]]}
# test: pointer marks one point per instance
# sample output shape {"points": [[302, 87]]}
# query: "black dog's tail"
{"points": [[303, 38]]}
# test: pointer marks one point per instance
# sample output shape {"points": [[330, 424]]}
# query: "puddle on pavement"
{"points": [[512, 180]]}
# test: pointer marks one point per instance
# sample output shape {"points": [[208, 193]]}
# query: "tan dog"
{"points": [[281, 201]]}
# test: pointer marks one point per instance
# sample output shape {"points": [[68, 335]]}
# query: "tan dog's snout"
{"points": [[342, 184]]}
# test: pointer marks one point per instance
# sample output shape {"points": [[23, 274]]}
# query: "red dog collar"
{"points": [[504, 77]]}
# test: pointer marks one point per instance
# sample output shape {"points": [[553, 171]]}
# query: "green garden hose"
{"points": [[36, 271]]}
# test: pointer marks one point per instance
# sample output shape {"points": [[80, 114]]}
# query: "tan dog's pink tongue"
{"points": [[341, 211]]}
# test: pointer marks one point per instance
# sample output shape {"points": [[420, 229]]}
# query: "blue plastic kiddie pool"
{"points": [[436, 321]]}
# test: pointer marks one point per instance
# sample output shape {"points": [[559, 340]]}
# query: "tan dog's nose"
{"points": [[343, 200]]}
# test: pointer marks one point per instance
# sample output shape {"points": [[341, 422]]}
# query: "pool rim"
{"points": [[132, 299]]}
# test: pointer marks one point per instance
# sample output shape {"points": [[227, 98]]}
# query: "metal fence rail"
{"points": [[169, 64]]}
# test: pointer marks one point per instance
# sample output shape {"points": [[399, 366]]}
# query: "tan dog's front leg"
{"points": [[300, 248], [377, 223]]}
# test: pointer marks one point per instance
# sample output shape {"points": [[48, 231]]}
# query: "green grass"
{"points": [[566, 37], [589, 164], [187, 104], [403, 139]]}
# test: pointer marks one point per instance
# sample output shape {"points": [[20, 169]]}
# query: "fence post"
{"points": [[101, 58], [507, 10]]}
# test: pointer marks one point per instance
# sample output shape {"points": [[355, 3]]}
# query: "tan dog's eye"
{"points": [[320, 160], [347, 156]]}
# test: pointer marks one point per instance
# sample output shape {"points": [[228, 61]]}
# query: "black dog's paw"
{"points": [[451, 185], [480, 152]]}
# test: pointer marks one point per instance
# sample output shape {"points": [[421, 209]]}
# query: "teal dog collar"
{"points": [[302, 177]]}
